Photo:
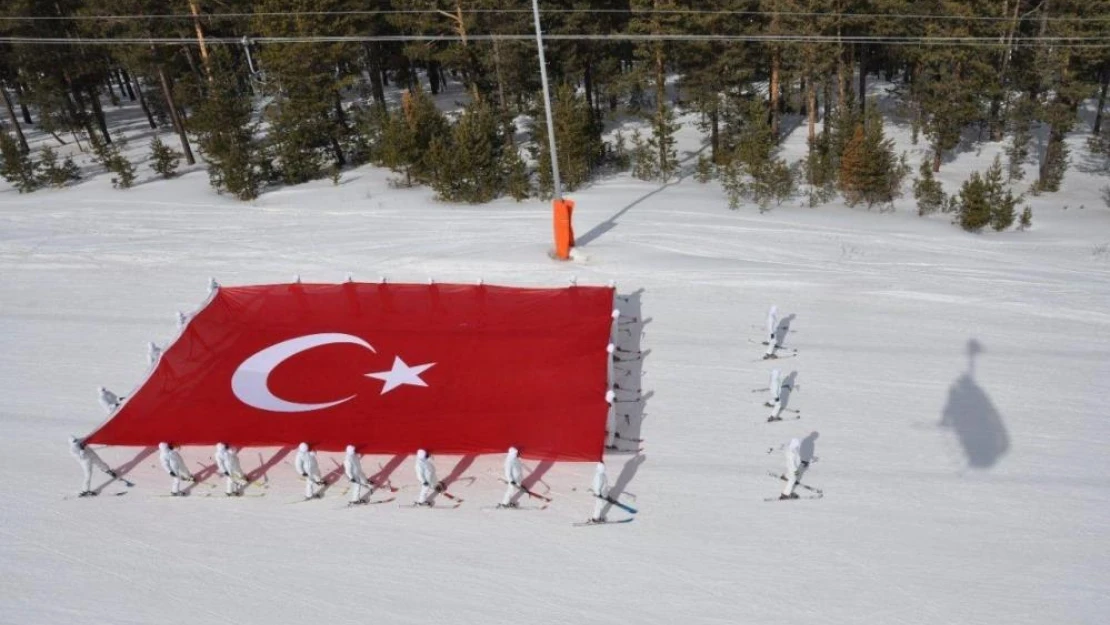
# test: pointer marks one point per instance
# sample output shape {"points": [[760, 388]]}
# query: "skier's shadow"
{"points": [[460, 468], [125, 468], [971, 414], [264, 466], [787, 389], [205, 472], [783, 329], [629, 370], [381, 478], [624, 479], [330, 478], [809, 447], [534, 477]]}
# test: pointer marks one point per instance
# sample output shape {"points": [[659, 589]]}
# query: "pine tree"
{"points": [[164, 160], [1001, 200], [515, 171], [704, 171], [469, 167], [869, 170], [577, 139], [662, 142], [644, 164], [17, 167], [975, 209], [928, 191], [1026, 220], [226, 134], [408, 135], [54, 174]]}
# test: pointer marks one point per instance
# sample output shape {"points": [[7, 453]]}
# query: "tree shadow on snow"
{"points": [[970, 413]]}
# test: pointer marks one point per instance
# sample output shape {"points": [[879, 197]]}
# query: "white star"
{"points": [[401, 374]]}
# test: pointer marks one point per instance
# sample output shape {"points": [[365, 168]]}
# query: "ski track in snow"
{"points": [[958, 489]]}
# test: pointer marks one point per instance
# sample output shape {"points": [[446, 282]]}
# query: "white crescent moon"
{"points": [[249, 382]]}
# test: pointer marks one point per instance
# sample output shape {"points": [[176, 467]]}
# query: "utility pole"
{"points": [[562, 209], [547, 104]]}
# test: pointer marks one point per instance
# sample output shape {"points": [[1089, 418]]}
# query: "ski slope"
{"points": [[952, 387]]}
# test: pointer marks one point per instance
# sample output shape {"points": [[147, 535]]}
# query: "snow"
{"points": [[998, 516]]}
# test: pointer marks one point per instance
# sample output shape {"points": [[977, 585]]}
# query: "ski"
{"points": [[798, 498], [414, 506], [368, 502], [805, 486], [80, 496], [530, 493], [794, 418], [498, 507], [214, 494], [777, 357], [588, 523], [627, 508]]}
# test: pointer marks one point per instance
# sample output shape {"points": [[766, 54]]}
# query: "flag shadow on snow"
{"points": [[970, 413], [628, 373]]}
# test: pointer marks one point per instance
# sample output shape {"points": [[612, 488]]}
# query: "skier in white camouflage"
{"points": [[109, 400], [88, 459], [227, 464], [352, 468], [309, 469], [600, 489], [513, 475], [794, 468], [175, 466], [426, 474], [776, 399], [772, 329]]}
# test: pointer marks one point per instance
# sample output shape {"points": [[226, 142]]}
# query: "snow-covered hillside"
{"points": [[952, 388]]}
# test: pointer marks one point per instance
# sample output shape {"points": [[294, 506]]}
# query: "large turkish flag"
{"points": [[390, 368]]}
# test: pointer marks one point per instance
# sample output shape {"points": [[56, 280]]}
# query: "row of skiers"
{"points": [[794, 463], [361, 488]]}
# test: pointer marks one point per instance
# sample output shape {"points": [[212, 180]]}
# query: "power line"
{"points": [[1068, 42], [632, 12]]}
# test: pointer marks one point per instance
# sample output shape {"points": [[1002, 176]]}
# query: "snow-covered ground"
{"points": [[952, 386]]}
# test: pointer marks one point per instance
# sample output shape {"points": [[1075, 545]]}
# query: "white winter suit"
{"points": [[513, 474], [174, 465], [352, 468], [772, 327], [309, 469], [600, 487], [426, 475], [108, 400], [611, 419], [227, 463], [793, 465], [88, 459]]}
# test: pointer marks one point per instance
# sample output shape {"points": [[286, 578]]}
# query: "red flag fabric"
{"points": [[389, 368]]}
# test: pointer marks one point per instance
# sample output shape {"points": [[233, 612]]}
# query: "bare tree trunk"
{"points": [[178, 124], [77, 108], [142, 101], [195, 10], [1097, 128], [22, 90], [500, 77], [377, 87], [862, 78], [811, 107], [715, 131], [98, 113], [125, 80], [23, 147]]}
